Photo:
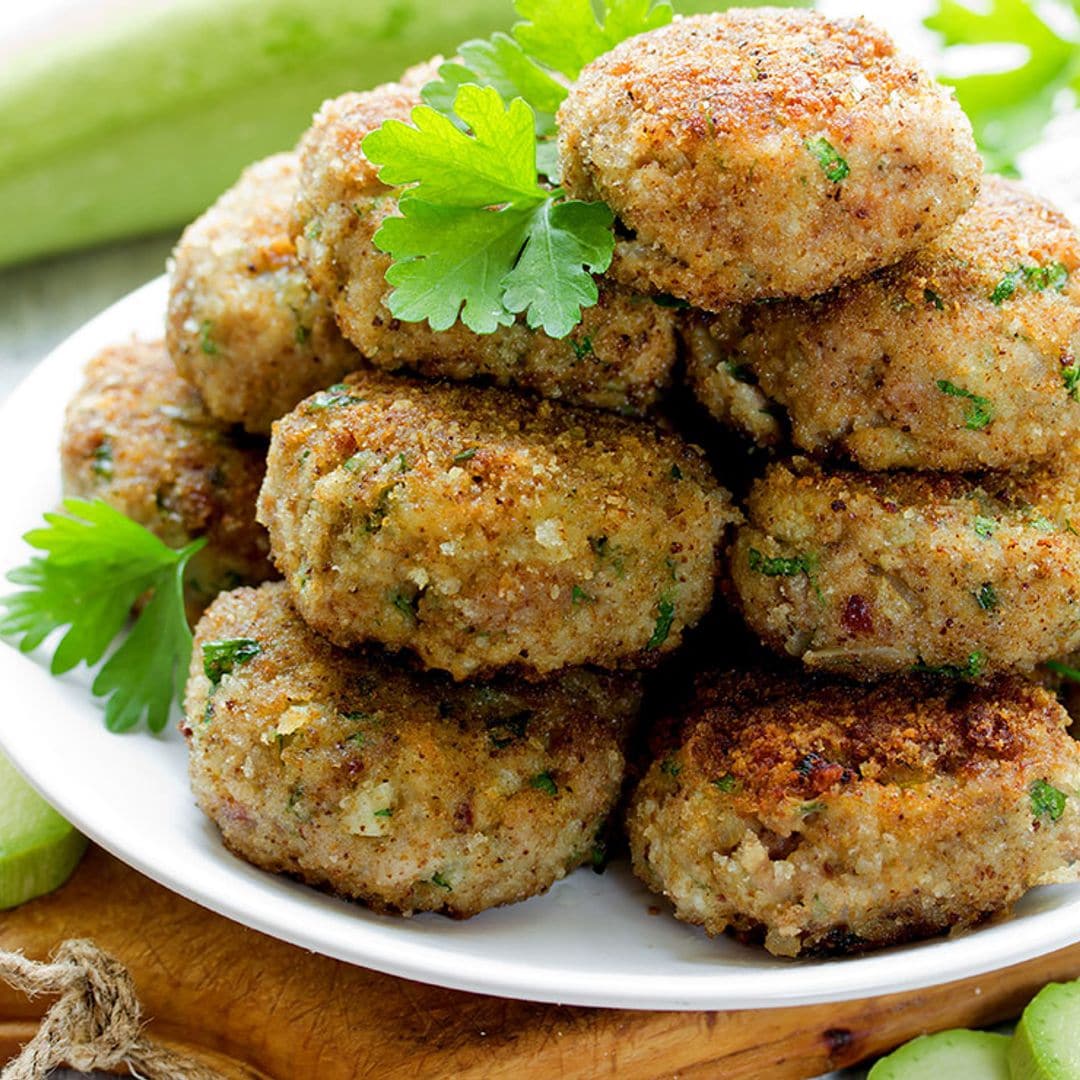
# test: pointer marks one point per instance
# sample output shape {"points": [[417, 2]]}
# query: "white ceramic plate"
{"points": [[590, 941]]}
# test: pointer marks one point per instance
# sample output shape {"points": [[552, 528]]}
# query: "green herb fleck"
{"points": [[579, 596], [206, 342], [581, 348], [726, 784], [403, 464], [665, 617], [464, 455], [987, 597], [832, 164], [362, 459], [102, 464], [384, 812], [984, 527], [670, 767], [676, 472], [811, 808], [440, 880], [303, 334], [779, 566], [740, 372], [1051, 276], [1070, 376], [331, 398], [1066, 672], [978, 414], [665, 300], [407, 604], [221, 657], [976, 663], [932, 297], [544, 782], [1047, 801], [1006, 287]]}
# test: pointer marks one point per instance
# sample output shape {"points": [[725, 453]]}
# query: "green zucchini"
{"points": [[139, 124]]}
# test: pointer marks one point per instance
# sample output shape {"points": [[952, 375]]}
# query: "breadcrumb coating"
{"points": [[399, 788], [870, 573], [964, 356], [764, 152], [244, 326], [620, 357], [830, 817], [480, 528]]}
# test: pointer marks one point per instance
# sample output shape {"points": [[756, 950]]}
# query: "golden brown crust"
{"points": [[701, 136], [402, 789], [243, 324], [620, 357], [860, 371], [839, 817], [869, 573], [481, 528], [139, 437]]}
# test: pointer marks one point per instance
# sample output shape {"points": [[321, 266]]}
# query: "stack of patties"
{"points": [[893, 333], [432, 712], [487, 539]]}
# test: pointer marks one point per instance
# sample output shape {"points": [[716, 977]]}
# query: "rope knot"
{"points": [[96, 1022]]}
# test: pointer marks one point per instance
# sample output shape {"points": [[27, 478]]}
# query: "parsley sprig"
{"points": [[97, 563], [483, 234], [1010, 108]]}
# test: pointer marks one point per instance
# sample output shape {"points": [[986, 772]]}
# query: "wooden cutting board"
{"points": [[255, 1007]]}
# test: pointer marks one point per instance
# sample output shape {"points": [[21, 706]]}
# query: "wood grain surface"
{"points": [[256, 1007]]}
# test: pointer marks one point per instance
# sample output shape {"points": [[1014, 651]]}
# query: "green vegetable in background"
{"points": [[1010, 108], [138, 125]]}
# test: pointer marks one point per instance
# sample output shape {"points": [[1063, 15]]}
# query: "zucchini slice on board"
{"points": [[1046, 1045], [38, 848], [949, 1055]]}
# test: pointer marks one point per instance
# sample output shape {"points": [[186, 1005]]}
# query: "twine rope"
{"points": [[96, 1022]]}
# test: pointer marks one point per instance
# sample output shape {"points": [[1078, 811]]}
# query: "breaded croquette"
{"points": [[481, 528], [964, 356], [763, 153], [402, 789], [871, 573], [833, 817], [244, 326]]}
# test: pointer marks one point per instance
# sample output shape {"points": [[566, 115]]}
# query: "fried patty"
{"points": [[963, 356], [620, 356], [402, 789], [761, 153], [244, 326], [869, 573], [139, 437], [832, 817], [481, 528]]}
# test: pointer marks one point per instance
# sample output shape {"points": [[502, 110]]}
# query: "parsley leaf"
{"points": [[97, 564], [778, 566], [499, 62], [1009, 109], [550, 282], [564, 35], [478, 237]]}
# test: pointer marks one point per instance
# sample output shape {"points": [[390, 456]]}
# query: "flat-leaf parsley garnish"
{"points": [[1047, 800], [479, 236], [97, 563], [976, 415]]}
